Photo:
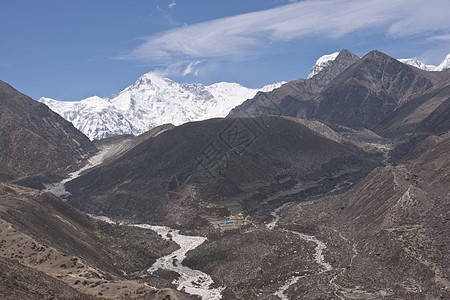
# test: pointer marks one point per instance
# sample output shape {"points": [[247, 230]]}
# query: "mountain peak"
{"points": [[326, 60], [151, 101], [415, 62], [376, 54], [321, 63], [445, 64], [148, 80]]}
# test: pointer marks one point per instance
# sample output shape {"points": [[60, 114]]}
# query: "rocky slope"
{"points": [[386, 237], [152, 101], [427, 114], [20, 282], [36, 141]]}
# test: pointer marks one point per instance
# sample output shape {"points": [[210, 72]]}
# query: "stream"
{"points": [[194, 282], [59, 189], [318, 253], [191, 281]]}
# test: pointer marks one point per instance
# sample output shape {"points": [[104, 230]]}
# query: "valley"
{"points": [[330, 187]]}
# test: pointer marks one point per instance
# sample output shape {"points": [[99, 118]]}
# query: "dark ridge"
{"points": [[34, 141]]}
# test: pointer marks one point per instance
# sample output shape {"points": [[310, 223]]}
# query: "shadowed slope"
{"points": [[34, 140]]}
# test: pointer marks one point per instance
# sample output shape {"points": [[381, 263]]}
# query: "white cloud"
{"points": [[245, 35], [171, 5], [192, 68], [445, 37], [178, 68]]}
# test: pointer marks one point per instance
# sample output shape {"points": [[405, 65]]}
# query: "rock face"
{"points": [[197, 168], [295, 98], [426, 114], [34, 140]]}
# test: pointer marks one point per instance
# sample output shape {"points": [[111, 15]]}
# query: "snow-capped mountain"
{"points": [[445, 64], [322, 62], [149, 102], [325, 60], [417, 63]]}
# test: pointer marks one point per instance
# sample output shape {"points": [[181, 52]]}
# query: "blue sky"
{"points": [[71, 50]]}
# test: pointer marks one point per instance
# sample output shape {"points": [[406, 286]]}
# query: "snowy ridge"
{"points": [[321, 63], [417, 63], [149, 102], [445, 64]]}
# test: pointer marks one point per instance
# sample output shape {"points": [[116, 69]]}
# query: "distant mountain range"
{"points": [[444, 65], [152, 101], [149, 102]]}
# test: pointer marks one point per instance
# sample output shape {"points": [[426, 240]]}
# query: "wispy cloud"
{"points": [[245, 35], [172, 4], [445, 37], [192, 68], [178, 68]]}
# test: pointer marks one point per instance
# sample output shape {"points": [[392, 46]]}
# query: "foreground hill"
{"points": [[49, 249], [36, 141], [390, 231], [217, 167], [384, 238]]}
